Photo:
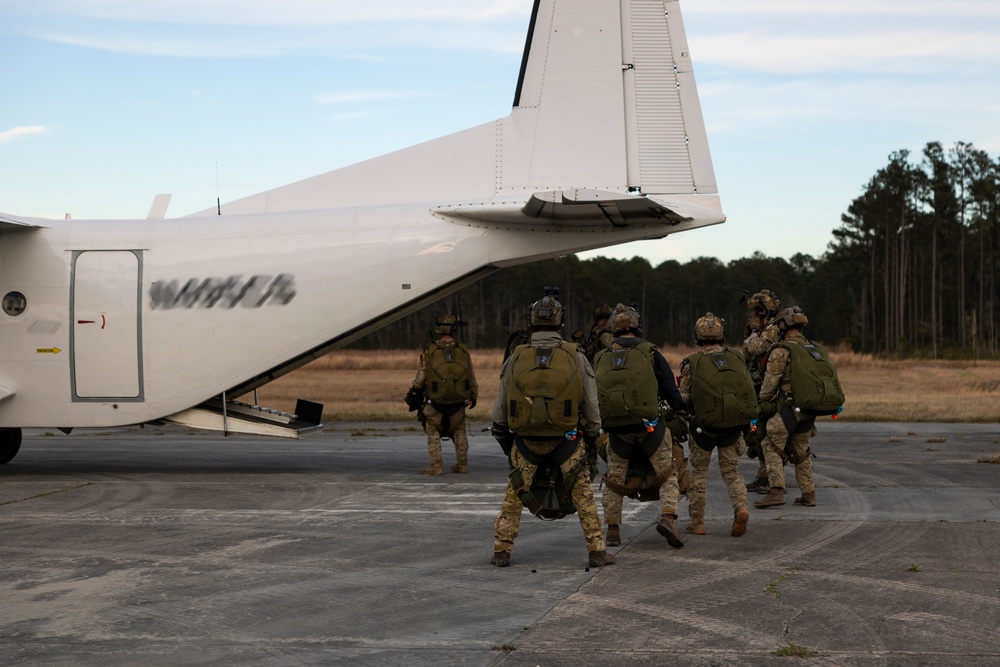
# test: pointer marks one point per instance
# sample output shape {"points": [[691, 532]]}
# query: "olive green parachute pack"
{"points": [[550, 495], [544, 391], [626, 385], [816, 389], [449, 373], [722, 392]]}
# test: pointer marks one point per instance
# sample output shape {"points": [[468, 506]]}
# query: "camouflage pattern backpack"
{"points": [[722, 392], [626, 385], [449, 373], [816, 389], [544, 391]]}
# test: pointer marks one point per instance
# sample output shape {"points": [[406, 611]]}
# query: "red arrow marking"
{"points": [[86, 322]]}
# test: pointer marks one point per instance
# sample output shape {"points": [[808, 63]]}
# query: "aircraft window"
{"points": [[14, 303]]}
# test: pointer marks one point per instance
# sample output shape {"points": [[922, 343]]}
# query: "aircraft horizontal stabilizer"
{"points": [[9, 222], [579, 208]]}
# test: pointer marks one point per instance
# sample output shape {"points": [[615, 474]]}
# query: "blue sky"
{"points": [[109, 102]]}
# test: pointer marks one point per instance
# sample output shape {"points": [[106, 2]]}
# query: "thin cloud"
{"points": [[734, 106], [163, 47], [273, 12], [978, 9], [15, 133], [872, 52], [363, 96], [347, 116], [366, 42]]}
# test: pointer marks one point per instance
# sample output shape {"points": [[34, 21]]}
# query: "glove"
{"points": [[503, 436], [767, 410], [414, 399]]}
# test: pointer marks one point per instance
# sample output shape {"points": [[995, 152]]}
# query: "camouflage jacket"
{"points": [[778, 378], [599, 339], [755, 350]]}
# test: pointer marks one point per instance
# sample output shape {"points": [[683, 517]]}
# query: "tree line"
{"points": [[910, 272]]}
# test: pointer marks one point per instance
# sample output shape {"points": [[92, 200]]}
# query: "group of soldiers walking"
{"points": [[560, 405]]}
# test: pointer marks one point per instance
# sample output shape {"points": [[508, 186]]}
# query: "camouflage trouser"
{"points": [[774, 454], [762, 468], [433, 429], [729, 466], [681, 464], [508, 522], [662, 461]]}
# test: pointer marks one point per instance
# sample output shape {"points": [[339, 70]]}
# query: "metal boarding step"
{"points": [[232, 416]]}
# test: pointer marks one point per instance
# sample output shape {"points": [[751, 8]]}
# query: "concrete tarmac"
{"points": [[168, 546]]}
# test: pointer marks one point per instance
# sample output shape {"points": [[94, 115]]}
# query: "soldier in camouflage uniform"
{"points": [[600, 337], [546, 319], [761, 335], [780, 446], [447, 416], [628, 441], [710, 337]]}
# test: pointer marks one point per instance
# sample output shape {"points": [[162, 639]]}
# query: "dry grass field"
{"points": [[358, 385]]}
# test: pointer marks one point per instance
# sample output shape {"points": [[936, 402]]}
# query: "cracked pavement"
{"points": [[176, 547]]}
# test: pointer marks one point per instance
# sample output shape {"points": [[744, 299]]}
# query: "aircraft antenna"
{"points": [[218, 195]]}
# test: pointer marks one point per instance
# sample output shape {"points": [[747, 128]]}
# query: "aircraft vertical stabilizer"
{"points": [[605, 101]]}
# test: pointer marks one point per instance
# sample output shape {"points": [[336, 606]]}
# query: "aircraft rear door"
{"points": [[106, 339]]}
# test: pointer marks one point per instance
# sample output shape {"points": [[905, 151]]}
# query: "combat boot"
{"points": [[740, 520], [695, 528], [460, 468], [775, 496], [807, 499], [500, 559], [601, 558], [759, 484], [432, 470], [614, 535], [666, 528]]}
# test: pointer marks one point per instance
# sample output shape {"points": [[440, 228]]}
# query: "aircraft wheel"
{"points": [[10, 442]]}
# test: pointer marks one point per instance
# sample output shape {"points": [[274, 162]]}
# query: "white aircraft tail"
{"points": [[605, 101]]}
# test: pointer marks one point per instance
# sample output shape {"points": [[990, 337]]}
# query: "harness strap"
{"points": [[557, 456], [708, 439], [644, 448]]}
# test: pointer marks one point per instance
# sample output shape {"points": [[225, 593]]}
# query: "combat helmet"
{"points": [[546, 313], [602, 312], [791, 317], [447, 325], [766, 301], [709, 328], [624, 319]]}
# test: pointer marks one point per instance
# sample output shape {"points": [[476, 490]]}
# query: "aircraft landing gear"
{"points": [[10, 442]]}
